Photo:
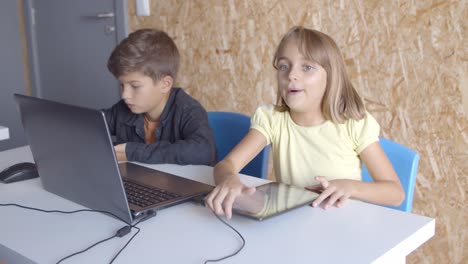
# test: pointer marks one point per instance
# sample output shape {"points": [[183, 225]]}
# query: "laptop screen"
{"points": [[75, 159], [74, 154]]}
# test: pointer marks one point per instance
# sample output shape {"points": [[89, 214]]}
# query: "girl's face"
{"points": [[301, 82], [143, 95]]}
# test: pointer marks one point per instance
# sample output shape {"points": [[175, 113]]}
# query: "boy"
{"points": [[154, 122]]}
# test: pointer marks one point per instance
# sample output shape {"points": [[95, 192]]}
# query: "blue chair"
{"points": [[405, 162], [229, 129]]}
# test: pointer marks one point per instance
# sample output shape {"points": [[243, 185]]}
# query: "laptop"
{"points": [[272, 199], [75, 158]]}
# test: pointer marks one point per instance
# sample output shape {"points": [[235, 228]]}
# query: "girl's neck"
{"points": [[307, 119]]}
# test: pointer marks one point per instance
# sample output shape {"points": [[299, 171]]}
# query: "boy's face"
{"points": [[301, 82], [143, 95]]}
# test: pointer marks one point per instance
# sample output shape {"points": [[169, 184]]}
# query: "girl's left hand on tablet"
{"points": [[337, 192]]}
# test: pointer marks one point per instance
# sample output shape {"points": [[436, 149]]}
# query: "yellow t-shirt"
{"points": [[329, 149]]}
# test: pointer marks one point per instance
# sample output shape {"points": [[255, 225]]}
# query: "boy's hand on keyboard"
{"points": [[120, 152]]}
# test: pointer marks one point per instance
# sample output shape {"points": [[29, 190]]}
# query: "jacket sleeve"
{"points": [[196, 146]]}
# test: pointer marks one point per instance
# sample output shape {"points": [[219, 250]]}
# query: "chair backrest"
{"points": [[229, 128], [405, 162]]}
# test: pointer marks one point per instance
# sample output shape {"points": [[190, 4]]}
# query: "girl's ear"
{"points": [[166, 82]]}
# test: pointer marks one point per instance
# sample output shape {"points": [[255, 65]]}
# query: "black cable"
{"points": [[126, 244], [149, 215], [124, 231], [65, 212], [86, 249], [120, 233], [237, 251]]}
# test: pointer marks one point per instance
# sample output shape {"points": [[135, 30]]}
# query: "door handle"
{"points": [[103, 15]]}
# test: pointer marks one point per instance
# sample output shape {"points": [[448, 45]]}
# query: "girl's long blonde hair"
{"points": [[340, 101]]}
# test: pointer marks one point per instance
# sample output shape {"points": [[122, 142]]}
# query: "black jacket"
{"points": [[183, 135]]}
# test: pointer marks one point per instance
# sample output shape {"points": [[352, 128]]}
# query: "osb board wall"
{"points": [[408, 59]]}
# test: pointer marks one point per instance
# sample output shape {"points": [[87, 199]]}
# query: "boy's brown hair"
{"points": [[340, 101], [148, 51]]}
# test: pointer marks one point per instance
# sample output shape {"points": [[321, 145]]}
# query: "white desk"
{"points": [[189, 233], [4, 133]]}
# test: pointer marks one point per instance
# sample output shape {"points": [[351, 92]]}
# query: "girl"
{"points": [[319, 132]]}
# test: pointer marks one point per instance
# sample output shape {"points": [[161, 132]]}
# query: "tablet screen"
{"points": [[271, 199]]}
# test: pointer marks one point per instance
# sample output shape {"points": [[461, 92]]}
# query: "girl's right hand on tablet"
{"points": [[221, 199]]}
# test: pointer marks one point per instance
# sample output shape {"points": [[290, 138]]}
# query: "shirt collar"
{"points": [[138, 120]]}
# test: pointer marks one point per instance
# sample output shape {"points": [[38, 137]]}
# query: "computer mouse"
{"points": [[19, 172]]}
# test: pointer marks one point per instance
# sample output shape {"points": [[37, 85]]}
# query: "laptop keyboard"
{"points": [[143, 196]]}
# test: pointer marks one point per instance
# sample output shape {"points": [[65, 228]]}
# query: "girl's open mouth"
{"points": [[294, 91]]}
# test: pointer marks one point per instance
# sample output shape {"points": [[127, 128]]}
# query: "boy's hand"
{"points": [[221, 199], [337, 191], [120, 152]]}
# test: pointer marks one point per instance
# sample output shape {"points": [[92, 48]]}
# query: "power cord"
{"points": [[120, 233], [86, 249], [124, 230], [237, 251]]}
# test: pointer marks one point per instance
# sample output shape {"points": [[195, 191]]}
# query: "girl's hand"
{"points": [[120, 152], [337, 191], [221, 199]]}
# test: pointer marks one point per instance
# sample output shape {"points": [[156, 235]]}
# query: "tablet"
{"points": [[272, 199]]}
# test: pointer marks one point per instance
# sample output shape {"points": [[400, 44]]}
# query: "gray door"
{"points": [[11, 73], [70, 42]]}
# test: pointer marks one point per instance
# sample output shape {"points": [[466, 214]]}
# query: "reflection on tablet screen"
{"points": [[272, 199]]}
